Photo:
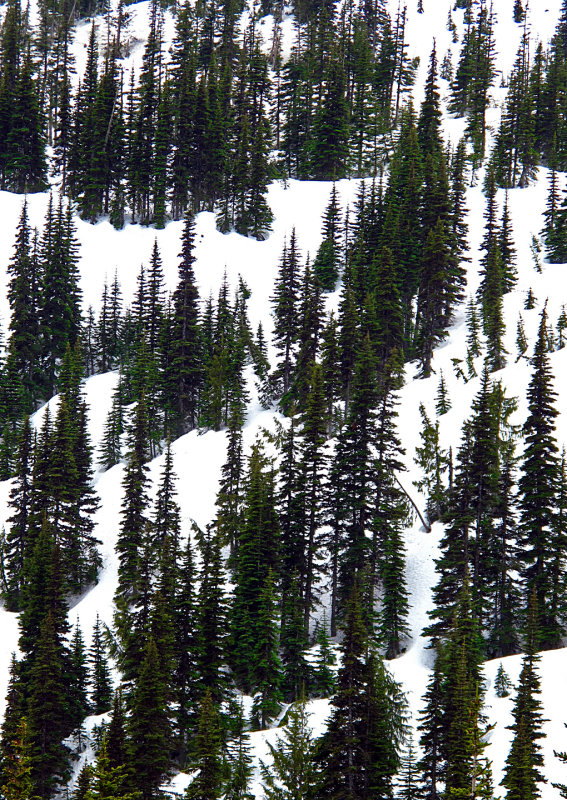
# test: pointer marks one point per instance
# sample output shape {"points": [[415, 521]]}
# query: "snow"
{"points": [[199, 457]]}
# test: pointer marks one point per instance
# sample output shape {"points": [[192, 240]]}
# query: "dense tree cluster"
{"points": [[296, 589]]}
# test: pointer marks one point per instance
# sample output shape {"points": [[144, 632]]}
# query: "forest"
{"points": [[297, 590]]}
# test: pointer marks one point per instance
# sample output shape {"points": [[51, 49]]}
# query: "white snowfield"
{"points": [[198, 458]]}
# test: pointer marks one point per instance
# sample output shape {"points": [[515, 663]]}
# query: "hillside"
{"points": [[199, 454]]}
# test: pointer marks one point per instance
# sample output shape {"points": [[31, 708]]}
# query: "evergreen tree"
{"points": [[209, 782], [185, 364], [329, 256], [107, 781], [502, 683], [134, 519], [292, 773], [49, 716], [360, 751], [18, 543], [538, 485], [17, 772], [522, 774], [101, 684], [149, 725], [268, 671]]}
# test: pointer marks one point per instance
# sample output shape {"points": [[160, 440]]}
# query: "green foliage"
{"points": [[291, 774]]}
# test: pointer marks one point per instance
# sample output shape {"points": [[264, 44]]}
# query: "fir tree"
{"points": [[522, 774], [502, 683], [292, 772], [538, 486], [329, 255], [101, 691], [149, 725], [209, 782], [17, 771]]}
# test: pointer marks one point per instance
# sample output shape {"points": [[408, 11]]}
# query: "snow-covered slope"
{"points": [[198, 458]]}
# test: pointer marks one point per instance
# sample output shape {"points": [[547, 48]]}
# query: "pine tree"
{"points": [[293, 644], [522, 774], [324, 679], [521, 341], [107, 781], [493, 321], [209, 782], [240, 760], [292, 771], [431, 321], [442, 404], [23, 295], [462, 703], [149, 725], [429, 124], [329, 141], [360, 751], [285, 310], [257, 553], [211, 620], [18, 543], [538, 485], [433, 731], [267, 669], [77, 678], [17, 771], [409, 783], [186, 365], [48, 712], [502, 683], [434, 463], [100, 680], [329, 256], [134, 519]]}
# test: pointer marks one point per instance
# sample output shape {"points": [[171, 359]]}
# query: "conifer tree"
{"points": [[430, 320], [23, 295], [210, 779], [502, 683], [462, 703], [186, 339], [442, 404], [538, 485], [285, 310], [101, 684], [432, 728], [134, 519], [359, 753], [149, 725], [293, 643], [324, 680], [105, 780], [257, 553], [329, 141], [211, 620], [268, 669], [522, 774], [240, 763], [78, 675], [329, 255], [434, 463], [18, 543], [292, 772], [49, 716], [17, 771], [493, 321], [429, 124]]}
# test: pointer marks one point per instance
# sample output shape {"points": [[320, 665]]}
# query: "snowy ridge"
{"points": [[199, 457]]}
